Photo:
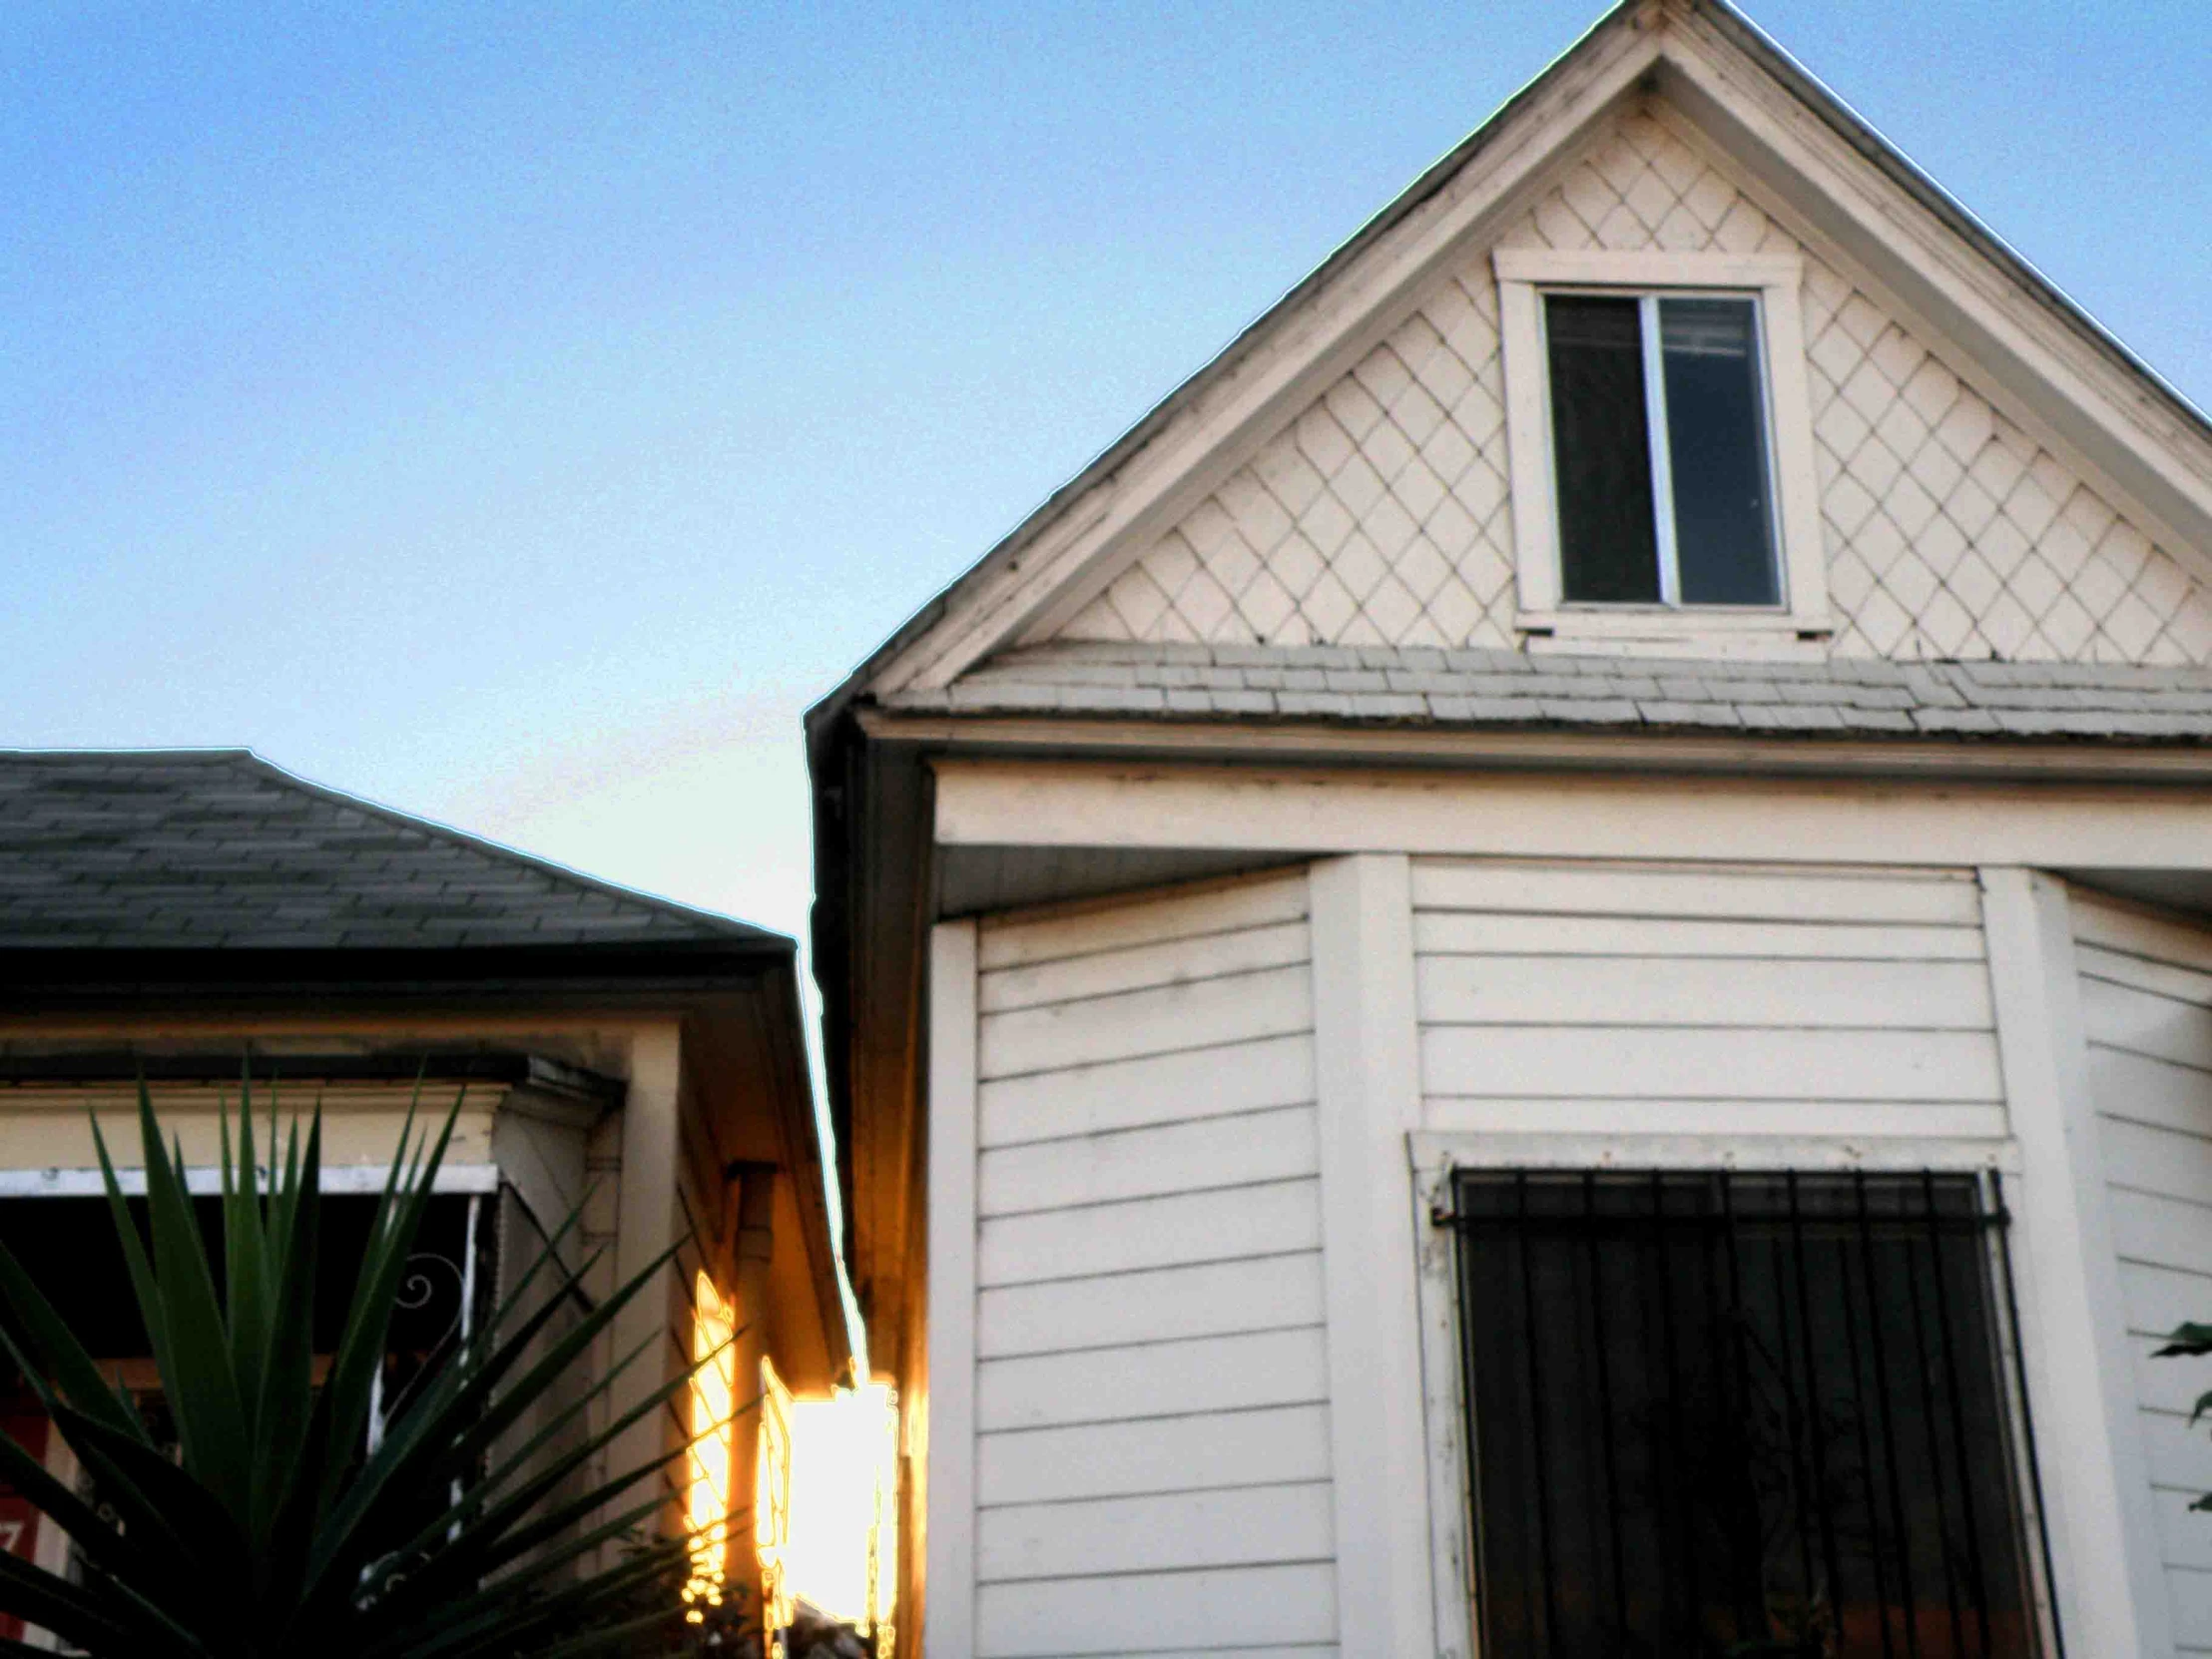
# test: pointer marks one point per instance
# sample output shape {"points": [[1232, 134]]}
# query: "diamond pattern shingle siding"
{"points": [[1423, 685], [221, 850], [1379, 516]]}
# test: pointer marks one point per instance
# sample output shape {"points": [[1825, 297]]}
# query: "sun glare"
{"points": [[842, 1548], [713, 1390]]}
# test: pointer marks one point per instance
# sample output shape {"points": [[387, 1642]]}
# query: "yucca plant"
{"points": [[276, 1530]]}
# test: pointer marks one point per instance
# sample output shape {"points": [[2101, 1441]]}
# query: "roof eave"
{"points": [[43, 978], [1543, 746]]}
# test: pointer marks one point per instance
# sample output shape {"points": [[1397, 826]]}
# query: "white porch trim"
{"points": [[1367, 1061], [948, 1611], [2111, 1590]]}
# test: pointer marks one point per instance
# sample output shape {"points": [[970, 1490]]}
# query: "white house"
{"points": [[1535, 977]]}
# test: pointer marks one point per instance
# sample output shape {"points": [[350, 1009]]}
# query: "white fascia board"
{"points": [[1621, 752], [1312, 812], [2078, 393]]}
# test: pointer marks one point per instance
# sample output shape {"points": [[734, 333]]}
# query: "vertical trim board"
{"points": [[2111, 1598], [949, 1611], [1368, 1080]]}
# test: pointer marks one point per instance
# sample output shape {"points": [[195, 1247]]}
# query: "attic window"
{"points": [[1659, 449], [1661, 444]]}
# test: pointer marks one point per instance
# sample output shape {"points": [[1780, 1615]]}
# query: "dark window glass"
{"points": [[1716, 444], [1735, 1415], [1601, 446]]}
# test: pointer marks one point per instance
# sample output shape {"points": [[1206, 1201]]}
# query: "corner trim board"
{"points": [[2111, 1594], [1366, 1062], [949, 1615]]}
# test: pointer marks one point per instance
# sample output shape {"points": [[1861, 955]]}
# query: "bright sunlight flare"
{"points": [[841, 1550], [713, 1393]]}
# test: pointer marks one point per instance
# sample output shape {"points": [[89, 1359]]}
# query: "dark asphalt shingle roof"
{"points": [[186, 849], [1415, 685]]}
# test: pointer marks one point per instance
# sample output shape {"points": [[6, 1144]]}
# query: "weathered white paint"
{"points": [[1260, 1604], [1161, 1533], [1144, 1285], [2110, 1597], [650, 1217], [1166, 1088], [1409, 502], [1368, 1079], [1503, 814], [542, 1158], [2146, 1007], [1180, 1178], [949, 1609], [1214, 1299], [1435, 1154], [1245, 1149], [90, 1183], [1208, 1453], [1570, 1061], [1436, 1151], [1776, 278], [1788, 1033]]}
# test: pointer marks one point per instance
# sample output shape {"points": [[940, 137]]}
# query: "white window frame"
{"points": [[1801, 624]]}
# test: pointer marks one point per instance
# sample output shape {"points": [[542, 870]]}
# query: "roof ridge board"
{"points": [[497, 853]]}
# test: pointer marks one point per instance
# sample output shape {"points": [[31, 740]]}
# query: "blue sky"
{"points": [[518, 414]]}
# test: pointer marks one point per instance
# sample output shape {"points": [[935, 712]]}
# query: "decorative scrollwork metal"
{"points": [[419, 1288]]}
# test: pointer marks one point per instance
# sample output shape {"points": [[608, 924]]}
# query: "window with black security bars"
{"points": [[1733, 1414]]}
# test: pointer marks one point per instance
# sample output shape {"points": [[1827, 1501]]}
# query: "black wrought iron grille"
{"points": [[1735, 1415]]}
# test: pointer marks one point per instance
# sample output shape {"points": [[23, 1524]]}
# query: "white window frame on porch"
{"points": [[1437, 1156], [1797, 627]]}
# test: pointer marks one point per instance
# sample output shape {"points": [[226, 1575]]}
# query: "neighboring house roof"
{"points": [[150, 884], [216, 850], [1415, 686]]}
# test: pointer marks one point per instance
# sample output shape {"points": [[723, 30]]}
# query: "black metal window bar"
{"points": [[1734, 1414]]}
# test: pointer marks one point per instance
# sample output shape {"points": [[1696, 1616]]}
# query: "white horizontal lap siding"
{"points": [[1152, 1455], [1591, 998], [2146, 1004]]}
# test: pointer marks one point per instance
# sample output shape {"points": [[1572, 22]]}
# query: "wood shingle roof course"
{"points": [[1491, 688], [218, 850]]}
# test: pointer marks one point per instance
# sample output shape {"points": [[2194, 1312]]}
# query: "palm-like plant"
{"points": [[276, 1532]]}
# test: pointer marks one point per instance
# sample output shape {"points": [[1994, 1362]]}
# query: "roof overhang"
{"points": [[1339, 744], [736, 998]]}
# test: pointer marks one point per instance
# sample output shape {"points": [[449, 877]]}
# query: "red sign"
{"points": [[18, 1521]]}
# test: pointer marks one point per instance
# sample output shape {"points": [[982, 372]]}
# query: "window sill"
{"points": [[1636, 631]]}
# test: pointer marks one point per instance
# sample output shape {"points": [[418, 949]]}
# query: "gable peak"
{"points": [[1744, 129]]}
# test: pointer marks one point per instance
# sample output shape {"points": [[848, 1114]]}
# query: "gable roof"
{"points": [[1729, 77], [216, 850]]}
